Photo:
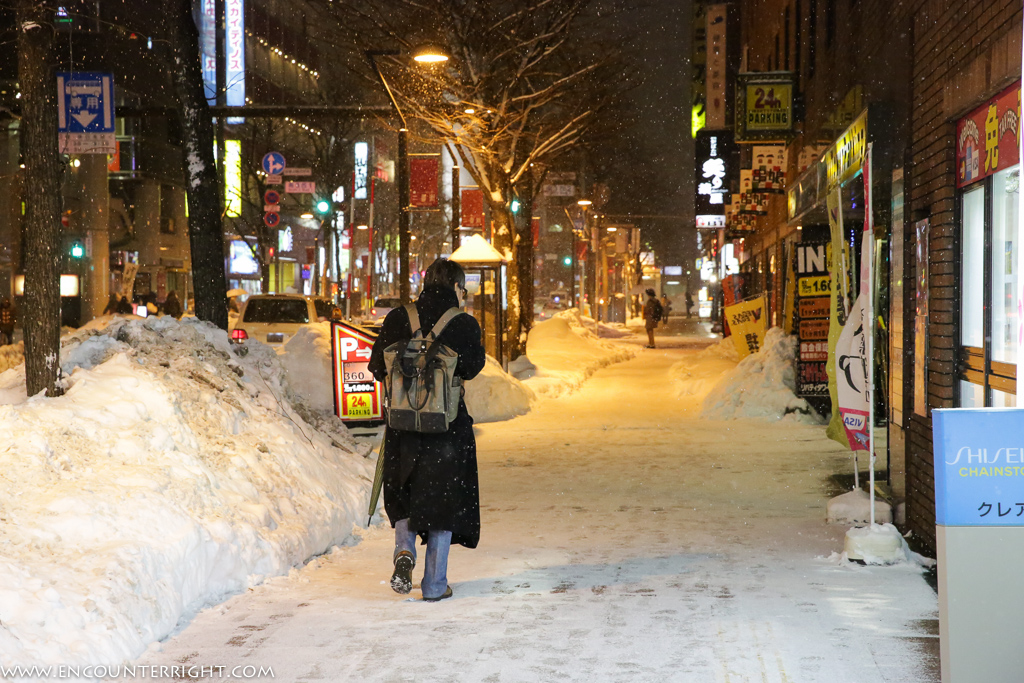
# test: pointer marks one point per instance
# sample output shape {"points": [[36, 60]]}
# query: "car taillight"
{"points": [[238, 335], [373, 311]]}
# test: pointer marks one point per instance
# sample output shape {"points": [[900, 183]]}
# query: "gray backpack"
{"points": [[421, 390]]}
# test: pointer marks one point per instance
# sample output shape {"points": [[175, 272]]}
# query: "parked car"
{"points": [[380, 309], [273, 318]]}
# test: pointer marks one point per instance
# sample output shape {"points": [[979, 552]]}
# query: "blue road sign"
{"points": [[271, 219], [86, 102], [979, 466], [273, 163]]}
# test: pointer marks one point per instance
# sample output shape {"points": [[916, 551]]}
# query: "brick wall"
{"points": [[962, 54]]}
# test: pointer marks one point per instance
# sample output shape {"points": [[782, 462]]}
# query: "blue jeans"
{"points": [[435, 571]]}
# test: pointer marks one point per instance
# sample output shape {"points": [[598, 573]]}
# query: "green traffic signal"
{"points": [[515, 206], [77, 250], [323, 207], [567, 260]]}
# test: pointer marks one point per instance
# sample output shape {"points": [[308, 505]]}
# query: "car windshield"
{"points": [[276, 311], [388, 303], [323, 307]]}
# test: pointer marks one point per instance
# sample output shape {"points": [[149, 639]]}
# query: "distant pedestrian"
{"points": [[6, 323], [431, 487], [172, 305], [124, 307], [152, 307], [666, 307], [111, 308], [689, 304], [652, 314]]}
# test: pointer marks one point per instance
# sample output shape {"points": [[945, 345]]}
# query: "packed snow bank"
{"points": [[876, 544], [490, 396], [172, 473], [564, 353], [11, 355], [697, 375], [494, 395], [761, 385], [854, 507]]}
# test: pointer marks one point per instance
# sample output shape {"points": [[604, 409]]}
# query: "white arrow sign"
{"points": [[84, 118]]}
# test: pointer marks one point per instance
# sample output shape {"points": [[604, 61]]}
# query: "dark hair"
{"points": [[650, 292], [445, 273]]}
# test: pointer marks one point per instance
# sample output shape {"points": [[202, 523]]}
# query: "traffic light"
{"points": [[567, 260], [77, 250], [323, 207], [515, 205]]}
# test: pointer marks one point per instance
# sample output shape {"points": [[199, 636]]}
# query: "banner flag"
{"points": [[423, 177], [837, 313], [472, 208], [747, 322]]}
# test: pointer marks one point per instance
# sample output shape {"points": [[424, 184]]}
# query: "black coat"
{"points": [[431, 479]]}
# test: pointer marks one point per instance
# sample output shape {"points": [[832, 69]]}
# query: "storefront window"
{"points": [[1005, 190], [972, 309]]}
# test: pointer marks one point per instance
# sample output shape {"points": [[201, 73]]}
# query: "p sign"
{"points": [[357, 395]]}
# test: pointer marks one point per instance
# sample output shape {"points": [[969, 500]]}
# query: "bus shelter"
{"points": [[485, 283]]}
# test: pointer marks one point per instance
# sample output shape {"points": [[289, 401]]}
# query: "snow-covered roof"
{"points": [[475, 250]]}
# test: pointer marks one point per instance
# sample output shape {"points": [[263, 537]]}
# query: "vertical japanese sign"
{"points": [[837, 310], [921, 318], [472, 208], [208, 49], [361, 172], [747, 323], [423, 179], [896, 266], [716, 76], [813, 305], [234, 46], [357, 395]]}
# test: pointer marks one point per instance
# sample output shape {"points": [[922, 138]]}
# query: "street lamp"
{"points": [[424, 55], [583, 204]]}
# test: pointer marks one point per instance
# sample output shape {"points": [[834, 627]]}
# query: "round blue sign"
{"points": [[273, 163], [271, 219]]}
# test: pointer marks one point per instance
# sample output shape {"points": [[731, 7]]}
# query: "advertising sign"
{"points": [[716, 74], [361, 172], [979, 466], [472, 208], [764, 106], [715, 167], [85, 112], [234, 46], [357, 395], [813, 304], [769, 169], [846, 156], [988, 139], [423, 176], [747, 324]]}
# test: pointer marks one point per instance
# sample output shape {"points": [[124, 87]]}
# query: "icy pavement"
{"points": [[623, 540]]}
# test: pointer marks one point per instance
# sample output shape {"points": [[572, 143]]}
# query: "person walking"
{"points": [[689, 304], [111, 305], [124, 307], [172, 305], [666, 308], [652, 314], [6, 323], [431, 488]]}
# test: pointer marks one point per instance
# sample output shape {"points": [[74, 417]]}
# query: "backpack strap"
{"points": [[414, 318], [443, 321]]}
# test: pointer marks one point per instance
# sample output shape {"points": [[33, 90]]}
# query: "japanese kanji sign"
{"points": [[747, 324], [357, 395], [85, 115], [423, 177], [988, 139], [979, 466]]}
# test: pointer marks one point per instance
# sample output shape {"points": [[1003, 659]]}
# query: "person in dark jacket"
{"points": [[6, 323], [124, 307], [652, 313], [111, 308], [430, 480], [172, 305]]}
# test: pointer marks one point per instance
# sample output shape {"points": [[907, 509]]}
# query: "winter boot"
{"points": [[401, 580]]}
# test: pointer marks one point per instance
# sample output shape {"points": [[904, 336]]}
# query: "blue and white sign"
{"points": [[273, 163], [85, 113], [979, 466], [86, 102], [234, 42]]}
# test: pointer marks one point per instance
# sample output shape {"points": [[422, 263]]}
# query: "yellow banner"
{"points": [[747, 324], [844, 158]]}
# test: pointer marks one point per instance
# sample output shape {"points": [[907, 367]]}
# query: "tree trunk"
{"points": [[525, 266], [205, 234], [42, 192]]}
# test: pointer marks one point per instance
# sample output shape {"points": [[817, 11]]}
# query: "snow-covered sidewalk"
{"points": [[624, 539]]}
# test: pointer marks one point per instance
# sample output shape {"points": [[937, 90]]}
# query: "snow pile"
{"points": [[564, 354], [761, 385], [11, 355], [697, 375], [172, 473], [854, 507], [876, 544], [306, 357], [494, 395]]}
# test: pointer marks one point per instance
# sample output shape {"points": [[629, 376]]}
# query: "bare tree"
{"points": [[42, 192], [521, 88], [202, 180]]}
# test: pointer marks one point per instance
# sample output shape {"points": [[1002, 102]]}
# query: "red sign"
{"points": [[988, 139], [357, 395], [472, 208], [271, 197], [114, 160], [423, 175], [271, 220], [535, 226]]}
